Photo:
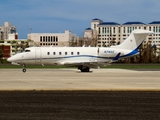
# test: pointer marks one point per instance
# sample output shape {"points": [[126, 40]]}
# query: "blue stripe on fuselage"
{"points": [[134, 52]]}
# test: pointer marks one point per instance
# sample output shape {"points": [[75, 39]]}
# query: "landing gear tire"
{"points": [[83, 68], [24, 70]]}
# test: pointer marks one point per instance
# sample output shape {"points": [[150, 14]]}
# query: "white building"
{"points": [[7, 29], [52, 39], [112, 33]]}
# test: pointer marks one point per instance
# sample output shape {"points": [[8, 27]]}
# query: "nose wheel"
{"points": [[24, 68]]}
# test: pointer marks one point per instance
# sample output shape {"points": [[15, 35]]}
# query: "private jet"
{"points": [[84, 58]]}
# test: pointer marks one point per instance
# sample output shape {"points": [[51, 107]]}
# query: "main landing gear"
{"points": [[24, 68], [83, 68]]}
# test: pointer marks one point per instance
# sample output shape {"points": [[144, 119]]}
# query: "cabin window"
{"points": [[60, 53], [77, 53], [27, 51], [54, 53], [48, 53], [65, 53], [71, 53]]}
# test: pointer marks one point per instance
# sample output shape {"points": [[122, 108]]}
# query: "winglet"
{"points": [[116, 57]]}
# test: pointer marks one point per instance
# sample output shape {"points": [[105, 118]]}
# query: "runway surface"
{"points": [[67, 94], [72, 79]]}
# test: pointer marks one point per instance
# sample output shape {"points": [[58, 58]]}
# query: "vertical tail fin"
{"points": [[135, 39]]}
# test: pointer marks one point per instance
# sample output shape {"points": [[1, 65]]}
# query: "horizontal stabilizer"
{"points": [[143, 32]]}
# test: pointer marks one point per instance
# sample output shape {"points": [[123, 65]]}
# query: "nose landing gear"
{"points": [[24, 68]]}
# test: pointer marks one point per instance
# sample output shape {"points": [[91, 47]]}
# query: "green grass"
{"points": [[31, 66], [120, 66], [135, 66]]}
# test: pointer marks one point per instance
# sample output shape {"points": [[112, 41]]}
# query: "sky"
{"points": [[55, 16]]}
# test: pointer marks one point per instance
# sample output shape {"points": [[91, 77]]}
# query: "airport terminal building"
{"points": [[112, 33]]}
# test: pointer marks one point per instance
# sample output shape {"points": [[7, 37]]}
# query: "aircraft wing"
{"points": [[91, 63]]}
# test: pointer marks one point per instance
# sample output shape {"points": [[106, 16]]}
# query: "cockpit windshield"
{"points": [[27, 50], [21, 51]]}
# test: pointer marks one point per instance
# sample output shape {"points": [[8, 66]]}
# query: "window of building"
{"points": [[95, 26], [40, 38], [48, 38], [102, 30], [56, 39], [119, 30], [107, 29], [124, 30], [114, 30], [153, 29], [127, 29], [51, 38], [99, 30], [43, 38]]}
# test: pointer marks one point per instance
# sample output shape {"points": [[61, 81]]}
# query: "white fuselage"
{"points": [[66, 55], [82, 57]]}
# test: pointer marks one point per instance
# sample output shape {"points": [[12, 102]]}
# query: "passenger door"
{"points": [[38, 56]]}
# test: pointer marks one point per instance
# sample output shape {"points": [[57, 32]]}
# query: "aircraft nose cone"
{"points": [[10, 59]]}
